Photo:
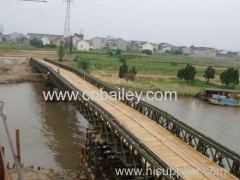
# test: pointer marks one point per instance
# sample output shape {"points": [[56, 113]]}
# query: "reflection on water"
{"points": [[221, 123], [51, 133]]}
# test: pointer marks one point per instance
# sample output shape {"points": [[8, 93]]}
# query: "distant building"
{"points": [[121, 44], [164, 47], [186, 50], [148, 46], [39, 36], [155, 47], [110, 44], [83, 45], [17, 36], [75, 40], [204, 51], [1, 37], [222, 52], [56, 41], [116, 44], [96, 43], [46, 40], [135, 45]]}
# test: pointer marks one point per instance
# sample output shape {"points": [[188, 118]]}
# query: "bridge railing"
{"points": [[142, 149], [215, 151]]}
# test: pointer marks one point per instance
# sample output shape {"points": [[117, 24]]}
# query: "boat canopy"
{"points": [[221, 90]]}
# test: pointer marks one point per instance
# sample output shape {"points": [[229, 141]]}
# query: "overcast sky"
{"points": [[214, 23]]}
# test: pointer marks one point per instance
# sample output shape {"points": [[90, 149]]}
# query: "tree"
{"points": [[36, 43], [118, 52], [122, 59], [209, 73], [109, 52], [79, 35], [130, 76], [61, 51], [188, 73], [70, 44], [83, 64], [147, 51], [180, 74], [230, 76], [236, 78], [133, 70], [123, 70], [177, 51]]}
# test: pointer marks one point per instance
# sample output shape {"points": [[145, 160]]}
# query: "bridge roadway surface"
{"points": [[169, 148]]}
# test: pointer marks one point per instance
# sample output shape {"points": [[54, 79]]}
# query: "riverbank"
{"points": [[157, 72], [14, 70], [46, 174]]}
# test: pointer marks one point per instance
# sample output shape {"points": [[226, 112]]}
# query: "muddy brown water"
{"points": [[221, 123], [53, 133]]}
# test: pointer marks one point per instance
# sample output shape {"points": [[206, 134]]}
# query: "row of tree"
{"points": [[38, 43], [228, 77]]}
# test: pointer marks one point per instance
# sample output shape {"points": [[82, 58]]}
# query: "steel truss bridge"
{"points": [[126, 134]]}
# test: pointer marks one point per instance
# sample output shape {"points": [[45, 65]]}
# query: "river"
{"points": [[53, 133]]}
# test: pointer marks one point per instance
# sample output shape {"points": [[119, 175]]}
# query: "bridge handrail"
{"points": [[195, 132], [226, 152], [137, 143]]}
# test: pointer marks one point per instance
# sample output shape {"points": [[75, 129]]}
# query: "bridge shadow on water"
{"points": [[64, 130]]}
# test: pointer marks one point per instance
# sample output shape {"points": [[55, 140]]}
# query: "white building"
{"points": [[75, 40], [148, 46], [83, 45], [96, 43], [45, 40]]}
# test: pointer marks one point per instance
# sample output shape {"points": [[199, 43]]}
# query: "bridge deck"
{"points": [[168, 147]]}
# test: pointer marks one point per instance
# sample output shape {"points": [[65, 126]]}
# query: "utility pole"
{"points": [[1, 28], [67, 19]]}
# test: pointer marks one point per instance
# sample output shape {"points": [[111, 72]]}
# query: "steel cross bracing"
{"points": [[120, 140], [213, 150]]}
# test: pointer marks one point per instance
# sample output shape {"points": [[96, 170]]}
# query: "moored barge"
{"points": [[223, 97]]}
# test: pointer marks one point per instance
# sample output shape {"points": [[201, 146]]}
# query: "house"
{"points": [[222, 53], [110, 44], [116, 44], [56, 41], [186, 50], [148, 46], [17, 36], [121, 44], [75, 40], [96, 43], [83, 45], [164, 47], [203, 51], [136, 45]]}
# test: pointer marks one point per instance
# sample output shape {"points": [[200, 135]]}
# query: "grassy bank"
{"points": [[13, 47], [156, 72]]}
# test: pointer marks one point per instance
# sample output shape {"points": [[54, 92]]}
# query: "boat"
{"points": [[223, 97]]}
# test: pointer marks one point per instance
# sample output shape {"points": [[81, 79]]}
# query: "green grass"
{"points": [[157, 64], [160, 63], [21, 47]]}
